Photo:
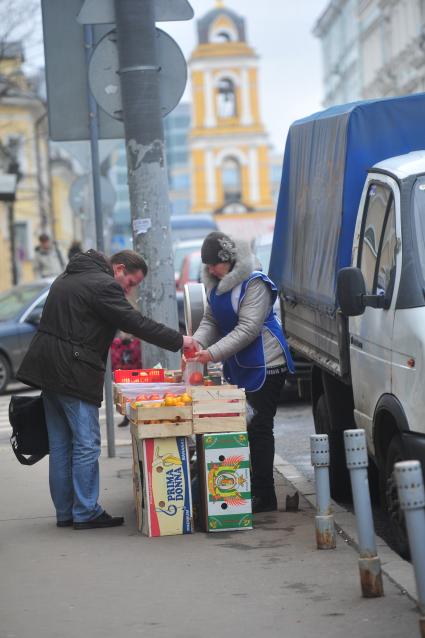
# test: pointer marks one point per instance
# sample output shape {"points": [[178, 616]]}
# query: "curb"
{"points": [[398, 570]]}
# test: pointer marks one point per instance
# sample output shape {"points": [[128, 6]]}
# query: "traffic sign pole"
{"points": [[147, 175], [94, 146]]}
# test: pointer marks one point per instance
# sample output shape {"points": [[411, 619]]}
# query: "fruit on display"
{"points": [[196, 378]]}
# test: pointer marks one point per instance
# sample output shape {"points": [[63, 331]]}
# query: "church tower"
{"points": [[228, 142]]}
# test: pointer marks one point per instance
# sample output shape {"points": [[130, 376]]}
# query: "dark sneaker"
{"points": [[68, 523], [124, 422], [103, 520], [263, 504]]}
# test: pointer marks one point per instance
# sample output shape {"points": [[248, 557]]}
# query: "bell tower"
{"points": [[228, 142]]}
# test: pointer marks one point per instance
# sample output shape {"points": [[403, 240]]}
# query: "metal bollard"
{"points": [[369, 563], [411, 494], [325, 528]]}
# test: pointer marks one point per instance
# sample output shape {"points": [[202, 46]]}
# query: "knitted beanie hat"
{"points": [[218, 248]]}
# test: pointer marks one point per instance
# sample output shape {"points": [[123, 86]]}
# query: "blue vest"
{"points": [[247, 368]]}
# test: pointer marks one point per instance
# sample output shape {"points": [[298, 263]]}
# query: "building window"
{"points": [[226, 98], [231, 178]]}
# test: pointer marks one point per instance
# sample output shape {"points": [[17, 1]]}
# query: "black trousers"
{"points": [[260, 431]]}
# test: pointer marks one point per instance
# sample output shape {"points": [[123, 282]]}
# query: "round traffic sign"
{"points": [[104, 76]]}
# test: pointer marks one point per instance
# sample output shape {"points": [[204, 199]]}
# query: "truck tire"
{"points": [[396, 517], [339, 477], [4, 373]]}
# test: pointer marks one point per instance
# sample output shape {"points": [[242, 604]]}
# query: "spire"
{"points": [[219, 4]]}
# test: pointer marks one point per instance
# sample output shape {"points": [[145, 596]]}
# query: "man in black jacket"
{"points": [[85, 307]]}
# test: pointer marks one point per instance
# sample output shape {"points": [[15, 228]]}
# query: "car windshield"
{"points": [[194, 266], [15, 300]]}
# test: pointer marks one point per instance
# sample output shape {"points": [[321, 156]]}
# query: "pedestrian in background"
{"points": [[85, 307], [240, 328], [74, 249], [48, 260]]}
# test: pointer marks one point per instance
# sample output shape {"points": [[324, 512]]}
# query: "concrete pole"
{"points": [[411, 494], [147, 173], [325, 526], [369, 563]]}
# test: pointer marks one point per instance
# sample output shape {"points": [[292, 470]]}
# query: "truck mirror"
{"points": [[350, 290]]}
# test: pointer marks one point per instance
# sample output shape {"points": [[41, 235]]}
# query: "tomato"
{"points": [[196, 378], [154, 397], [142, 397]]}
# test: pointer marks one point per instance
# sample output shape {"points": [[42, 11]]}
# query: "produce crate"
{"points": [[142, 427], [148, 375], [218, 409]]}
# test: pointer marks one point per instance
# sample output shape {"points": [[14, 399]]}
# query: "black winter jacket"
{"points": [[84, 309]]}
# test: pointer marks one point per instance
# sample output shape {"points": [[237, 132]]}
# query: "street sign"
{"points": [[105, 81], [66, 75], [103, 11]]}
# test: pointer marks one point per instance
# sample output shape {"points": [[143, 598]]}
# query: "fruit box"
{"points": [[148, 375], [218, 409], [161, 422], [224, 481], [164, 499]]}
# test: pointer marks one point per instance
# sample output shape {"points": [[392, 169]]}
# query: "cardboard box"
{"points": [[225, 484], [167, 497]]}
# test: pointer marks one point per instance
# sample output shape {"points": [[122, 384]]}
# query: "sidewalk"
{"points": [[269, 582]]}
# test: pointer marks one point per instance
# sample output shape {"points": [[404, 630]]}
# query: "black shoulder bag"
{"points": [[29, 430]]}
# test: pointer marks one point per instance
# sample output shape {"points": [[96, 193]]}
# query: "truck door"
{"points": [[371, 333]]}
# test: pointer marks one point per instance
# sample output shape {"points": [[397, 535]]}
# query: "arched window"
{"points": [[231, 178], [226, 98]]}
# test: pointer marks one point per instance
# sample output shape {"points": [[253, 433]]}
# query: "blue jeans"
{"points": [[74, 440]]}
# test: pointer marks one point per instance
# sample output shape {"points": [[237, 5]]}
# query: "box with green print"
{"points": [[224, 477]]}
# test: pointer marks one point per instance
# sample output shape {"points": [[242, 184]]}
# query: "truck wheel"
{"points": [[4, 373], [396, 516], [338, 474]]}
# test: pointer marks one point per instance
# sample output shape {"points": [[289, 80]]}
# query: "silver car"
{"points": [[20, 313]]}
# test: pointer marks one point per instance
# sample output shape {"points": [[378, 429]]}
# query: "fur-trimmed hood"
{"points": [[245, 263]]}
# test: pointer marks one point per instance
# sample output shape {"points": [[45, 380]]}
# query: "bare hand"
{"points": [[203, 356]]}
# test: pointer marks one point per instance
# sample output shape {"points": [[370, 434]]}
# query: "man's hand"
{"points": [[190, 345]]}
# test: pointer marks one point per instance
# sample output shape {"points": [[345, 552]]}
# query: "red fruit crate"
{"points": [[147, 375]]}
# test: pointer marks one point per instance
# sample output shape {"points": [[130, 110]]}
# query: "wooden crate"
{"points": [[218, 409], [142, 429]]}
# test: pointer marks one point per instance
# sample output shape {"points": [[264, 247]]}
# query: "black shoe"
{"points": [[124, 422], [264, 504], [103, 520], [68, 523]]}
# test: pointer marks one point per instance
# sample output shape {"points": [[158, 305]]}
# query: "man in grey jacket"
{"points": [[240, 328], [48, 261]]}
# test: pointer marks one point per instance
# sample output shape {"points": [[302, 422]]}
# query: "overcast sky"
{"points": [[290, 56]]}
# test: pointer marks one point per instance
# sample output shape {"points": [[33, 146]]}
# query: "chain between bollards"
{"points": [[411, 495], [325, 527], [369, 563]]}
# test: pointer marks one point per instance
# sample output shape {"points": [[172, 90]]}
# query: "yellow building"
{"points": [[41, 203], [229, 145]]}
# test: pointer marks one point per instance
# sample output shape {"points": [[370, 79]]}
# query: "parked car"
{"points": [[20, 313], [190, 271], [181, 249], [191, 226]]}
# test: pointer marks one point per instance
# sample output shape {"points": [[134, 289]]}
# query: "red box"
{"points": [[148, 375]]}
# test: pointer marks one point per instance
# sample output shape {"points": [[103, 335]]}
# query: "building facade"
{"points": [[372, 48], [229, 144]]}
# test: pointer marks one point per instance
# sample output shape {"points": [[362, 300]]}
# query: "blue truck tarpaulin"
{"points": [[327, 156]]}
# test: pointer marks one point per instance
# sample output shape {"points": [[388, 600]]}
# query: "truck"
{"points": [[348, 258]]}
